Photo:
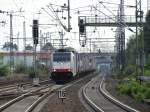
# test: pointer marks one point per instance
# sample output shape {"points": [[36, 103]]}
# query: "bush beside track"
{"points": [[129, 83], [133, 88]]}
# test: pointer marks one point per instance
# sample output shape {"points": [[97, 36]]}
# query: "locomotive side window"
{"points": [[59, 57]]}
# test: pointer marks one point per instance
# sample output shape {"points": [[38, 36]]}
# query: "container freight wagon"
{"points": [[85, 62]]}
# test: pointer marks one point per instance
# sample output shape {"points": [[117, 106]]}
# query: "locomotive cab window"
{"points": [[90, 60], [61, 57]]}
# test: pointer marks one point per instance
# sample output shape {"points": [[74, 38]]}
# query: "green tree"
{"points": [[9, 45], [130, 51], [29, 47], [48, 46], [4, 70]]}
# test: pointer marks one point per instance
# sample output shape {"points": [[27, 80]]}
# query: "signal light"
{"points": [[35, 31], [81, 26]]}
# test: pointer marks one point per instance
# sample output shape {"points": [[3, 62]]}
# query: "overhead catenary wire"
{"points": [[81, 12], [116, 4], [107, 9], [116, 16], [52, 10], [57, 18], [19, 15], [48, 13], [18, 23], [81, 9], [54, 18], [77, 8], [56, 5], [123, 24]]}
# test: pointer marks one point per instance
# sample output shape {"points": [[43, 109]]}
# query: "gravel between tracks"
{"points": [[5, 100], [110, 86], [71, 104]]}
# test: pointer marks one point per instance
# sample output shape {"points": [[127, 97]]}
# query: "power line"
{"points": [[57, 18], [56, 5], [80, 7], [123, 24], [48, 13], [130, 6]]}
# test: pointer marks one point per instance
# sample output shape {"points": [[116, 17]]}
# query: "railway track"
{"points": [[14, 86], [30, 101], [22, 102], [99, 100], [9, 84], [13, 91]]}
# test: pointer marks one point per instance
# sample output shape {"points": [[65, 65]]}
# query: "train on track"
{"points": [[66, 65]]}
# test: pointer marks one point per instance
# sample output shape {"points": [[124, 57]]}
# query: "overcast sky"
{"points": [[31, 9]]}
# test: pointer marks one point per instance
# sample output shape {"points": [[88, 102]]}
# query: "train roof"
{"points": [[66, 50]]}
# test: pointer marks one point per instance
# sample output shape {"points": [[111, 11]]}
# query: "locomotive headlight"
{"points": [[69, 70], [54, 70]]}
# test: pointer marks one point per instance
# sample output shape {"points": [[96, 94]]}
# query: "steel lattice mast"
{"points": [[120, 36]]}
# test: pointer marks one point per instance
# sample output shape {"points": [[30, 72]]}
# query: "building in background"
{"points": [[18, 57]]}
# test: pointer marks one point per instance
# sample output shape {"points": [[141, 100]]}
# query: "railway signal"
{"points": [[82, 32], [35, 35], [35, 31], [81, 26]]}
